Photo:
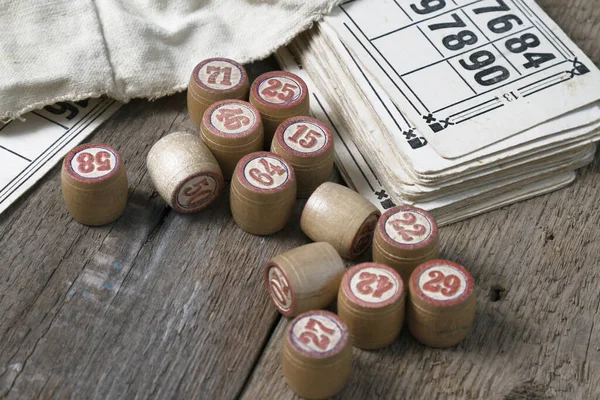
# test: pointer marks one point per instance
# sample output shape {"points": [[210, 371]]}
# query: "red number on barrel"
{"points": [[85, 162], [399, 226], [449, 283], [273, 90], [214, 71], [384, 284], [232, 118], [321, 341], [266, 177], [196, 194], [309, 139]]}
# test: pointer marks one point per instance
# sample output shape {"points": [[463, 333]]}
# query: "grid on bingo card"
{"points": [[438, 74]]}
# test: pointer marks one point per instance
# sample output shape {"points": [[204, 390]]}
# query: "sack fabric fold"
{"points": [[59, 50]]}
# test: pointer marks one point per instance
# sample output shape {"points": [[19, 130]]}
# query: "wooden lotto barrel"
{"points": [[263, 193], [442, 303], [307, 145], [184, 172], [213, 80], [94, 184], [340, 216], [279, 95], [305, 278], [231, 129], [317, 355], [371, 303], [404, 238]]}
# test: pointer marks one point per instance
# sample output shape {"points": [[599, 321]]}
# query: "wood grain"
{"points": [[162, 305], [536, 267]]}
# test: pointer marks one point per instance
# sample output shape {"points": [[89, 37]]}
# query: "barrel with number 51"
{"points": [[442, 302], [94, 184], [263, 193]]}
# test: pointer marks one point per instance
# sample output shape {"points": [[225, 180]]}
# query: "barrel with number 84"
{"points": [[94, 184], [263, 193], [442, 303]]}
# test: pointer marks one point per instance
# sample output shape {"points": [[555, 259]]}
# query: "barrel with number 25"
{"points": [[94, 184]]}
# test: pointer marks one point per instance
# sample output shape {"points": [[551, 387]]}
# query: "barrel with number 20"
{"points": [[94, 184]]}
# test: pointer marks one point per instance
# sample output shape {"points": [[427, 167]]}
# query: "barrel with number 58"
{"points": [[94, 184], [306, 143], [184, 172], [371, 303], [279, 95], [263, 193], [316, 355], [442, 303], [305, 278]]}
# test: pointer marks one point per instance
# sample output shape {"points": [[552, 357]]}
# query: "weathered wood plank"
{"points": [[537, 332]]}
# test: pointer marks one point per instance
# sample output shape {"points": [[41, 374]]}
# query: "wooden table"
{"points": [[164, 305]]}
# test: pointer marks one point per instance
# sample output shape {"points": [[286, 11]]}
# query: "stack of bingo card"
{"points": [[457, 107]]}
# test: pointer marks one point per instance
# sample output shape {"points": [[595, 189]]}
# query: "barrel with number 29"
{"points": [[94, 184], [442, 302], [263, 192]]}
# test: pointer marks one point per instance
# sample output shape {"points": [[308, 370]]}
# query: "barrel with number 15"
{"points": [[94, 184], [263, 192], [307, 145]]}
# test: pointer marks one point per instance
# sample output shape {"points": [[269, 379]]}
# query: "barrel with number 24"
{"points": [[94, 184]]}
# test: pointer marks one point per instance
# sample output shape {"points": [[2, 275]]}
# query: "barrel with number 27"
{"points": [[317, 355], [94, 184]]}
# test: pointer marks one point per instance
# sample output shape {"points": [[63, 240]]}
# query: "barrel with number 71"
{"points": [[94, 184]]}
